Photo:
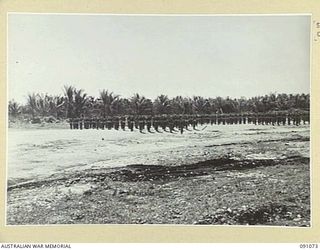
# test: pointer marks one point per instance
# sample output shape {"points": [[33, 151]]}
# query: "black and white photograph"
{"points": [[159, 119]]}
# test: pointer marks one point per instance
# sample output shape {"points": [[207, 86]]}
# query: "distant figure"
{"points": [[71, 123]]}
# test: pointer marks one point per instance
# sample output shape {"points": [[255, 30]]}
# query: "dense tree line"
{"points": [[76, 103]]}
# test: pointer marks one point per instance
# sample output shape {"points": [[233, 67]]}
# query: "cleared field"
{"points": [[237, 174]]}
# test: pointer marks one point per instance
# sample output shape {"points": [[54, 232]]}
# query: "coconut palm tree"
{"points": [[43, 104], [69, 100], [177, 105], [122, 107], [229, 105], [91, 107], [80, 100], [181, 105], [161, 105], [140, 105], [75, 103], [218, 103], [32, 104], [200, 105], [109, 102], [56, 106], [282, 102], [14, 108]]}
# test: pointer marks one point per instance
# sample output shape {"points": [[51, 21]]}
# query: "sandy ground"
{"points": [[237, 175]]}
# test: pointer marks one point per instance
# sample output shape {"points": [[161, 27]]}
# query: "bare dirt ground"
{"points": [[259, 177]]}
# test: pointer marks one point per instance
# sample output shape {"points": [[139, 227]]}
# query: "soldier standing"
{"points": [[149, 124], [130, 123], [116, 123], [71, 123], [81, 122], [289, 119], [123, 123], [76, 123], [156, 123]]}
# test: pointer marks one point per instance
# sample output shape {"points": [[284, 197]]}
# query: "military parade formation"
{"points": [[181, 123]]}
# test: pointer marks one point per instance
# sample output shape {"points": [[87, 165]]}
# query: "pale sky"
{"points": [[175, 55]]}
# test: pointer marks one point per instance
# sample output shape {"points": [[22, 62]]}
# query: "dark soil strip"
{"points": [[261, 215], [274, 140], [134, 173], [166, 173]]}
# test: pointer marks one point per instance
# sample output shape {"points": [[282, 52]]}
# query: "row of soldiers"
{"points": [[176, 123]]}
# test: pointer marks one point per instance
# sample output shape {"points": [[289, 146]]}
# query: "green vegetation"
{"points": [[76, 103]]}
